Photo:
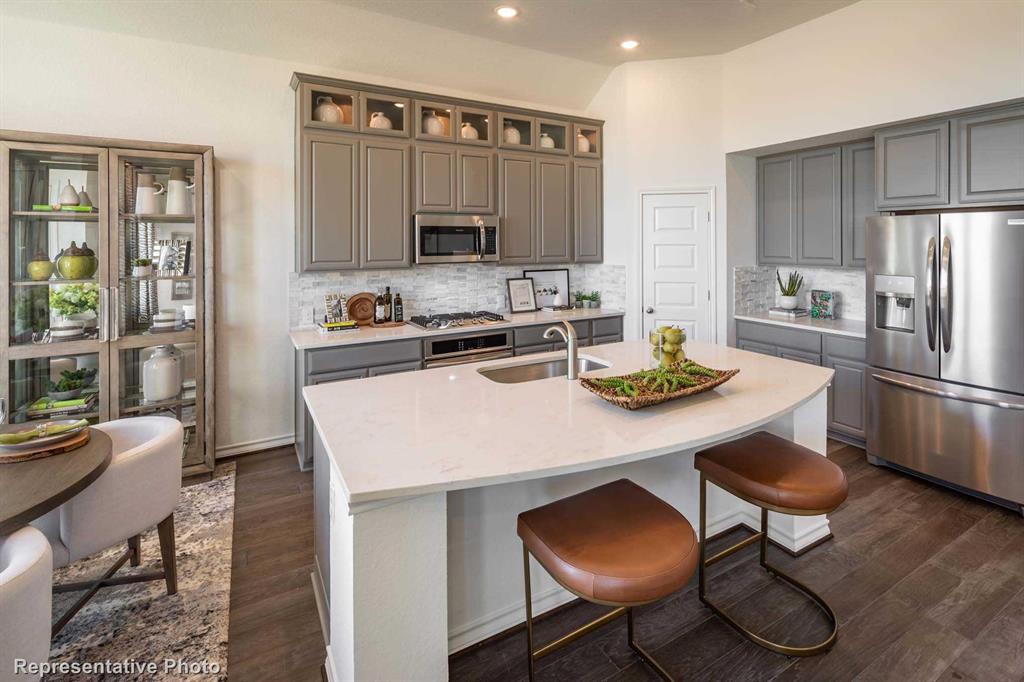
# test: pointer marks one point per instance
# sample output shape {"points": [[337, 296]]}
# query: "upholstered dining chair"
{"points": [[26, 570], [138, 490]]}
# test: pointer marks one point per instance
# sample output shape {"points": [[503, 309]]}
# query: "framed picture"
{"points": [[521, 295], [550, 286], [181, 290]]}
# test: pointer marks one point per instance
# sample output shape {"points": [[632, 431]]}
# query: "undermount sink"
{"points": [[516, 374]]}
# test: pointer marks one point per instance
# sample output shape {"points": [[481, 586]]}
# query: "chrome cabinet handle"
{"points": [[945, 295], [104, 321], [115, 316], [991, 402], [3, 411], [929, 299]]}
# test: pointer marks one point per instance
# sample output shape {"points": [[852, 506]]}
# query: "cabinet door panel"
{"points": [[846, 396], [991, 157], [912, 165], [858, 199], [776, 209], [395, 368], [588, 218], [755, 347], [476, 182], [435, 179], [330, 205], [554, 211], [819, 214], [516, 207], [386, 208]]}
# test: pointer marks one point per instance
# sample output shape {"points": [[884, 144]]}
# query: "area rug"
{"points": [[185, 635]]}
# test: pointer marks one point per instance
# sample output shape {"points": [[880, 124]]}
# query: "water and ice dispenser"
{"points": [[894, 302]]}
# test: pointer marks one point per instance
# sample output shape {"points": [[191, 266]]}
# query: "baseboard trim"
{"points": [[257, 445], [773, 543], [321, 603], [505, 619]]}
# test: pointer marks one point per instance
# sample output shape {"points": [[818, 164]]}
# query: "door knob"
{"points": [[650, 309]]}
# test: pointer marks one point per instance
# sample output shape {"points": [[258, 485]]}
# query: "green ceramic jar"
{"points": [[77, 262], [40, 268]]}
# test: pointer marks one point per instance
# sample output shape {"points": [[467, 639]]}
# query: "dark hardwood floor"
{"points": [[928, 584]]}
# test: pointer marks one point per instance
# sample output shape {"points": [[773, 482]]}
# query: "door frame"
{"points": [[712, 256]]}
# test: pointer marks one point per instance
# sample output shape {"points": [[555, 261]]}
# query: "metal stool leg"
{"points": [[529, 612], [640, 651], [762, 539]]}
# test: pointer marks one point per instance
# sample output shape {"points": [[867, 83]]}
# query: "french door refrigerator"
{"points": [[945, 325]]}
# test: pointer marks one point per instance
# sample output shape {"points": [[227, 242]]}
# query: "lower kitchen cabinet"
{"points": [[846, 356], [395, 368]]}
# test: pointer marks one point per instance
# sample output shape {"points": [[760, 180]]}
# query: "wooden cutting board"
{"points": [[361, 308], [47, 450]]}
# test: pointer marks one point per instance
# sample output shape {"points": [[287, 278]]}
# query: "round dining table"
{"points": [[30, 489]]}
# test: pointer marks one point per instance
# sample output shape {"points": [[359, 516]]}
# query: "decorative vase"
{"points": [[379, 120], [161, 375], [142, 270], [86, 319], [178, 194], [546, 141], [582, 143], [468, 132], [788, 302], [68, 195], [84, 199], [558, 300], [327, 111], [40, 268], [511, 134], [146, 194], [432, 125], [77, 262]]}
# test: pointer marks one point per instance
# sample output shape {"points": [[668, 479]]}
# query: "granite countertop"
{"points": [[311, 337], [397, 435], [840, 327]]}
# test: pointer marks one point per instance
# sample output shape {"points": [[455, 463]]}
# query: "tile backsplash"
{"points": [[442, 288], [756, 289]]}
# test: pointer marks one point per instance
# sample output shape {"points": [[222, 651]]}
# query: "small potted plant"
{"points": [[142, 267], [789, 289], [76, 304], [595, 299], [67, 388]]}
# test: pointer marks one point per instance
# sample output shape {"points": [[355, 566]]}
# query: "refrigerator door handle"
{"points": [[929, 298], [948, 394], [945, 296]]}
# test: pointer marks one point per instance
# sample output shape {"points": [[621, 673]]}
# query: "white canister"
{"points": [[582, 143], [511, 134], [468, 132], [432, 125], [161, 374]]}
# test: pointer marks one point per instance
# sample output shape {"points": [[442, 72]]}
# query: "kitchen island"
{"points": [[419, 478]]}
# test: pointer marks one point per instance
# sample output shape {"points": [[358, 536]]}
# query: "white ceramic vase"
{"points": [[788, 302], [327, 111], [432, 125], [147, 193], [582, 143], [546, 142], [468, 132], [68, 196], [161, 374], [511, 134], [380, 121]]}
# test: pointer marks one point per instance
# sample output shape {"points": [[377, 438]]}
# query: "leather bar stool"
{"points": [[777, 475], [616, 545]]}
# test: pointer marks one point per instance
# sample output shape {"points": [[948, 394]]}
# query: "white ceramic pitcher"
{"points": [[146, 193], [178, 194]]}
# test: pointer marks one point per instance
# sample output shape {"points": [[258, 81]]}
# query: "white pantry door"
{"points": [[676, 262]]}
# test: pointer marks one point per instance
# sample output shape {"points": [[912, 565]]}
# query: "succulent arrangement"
{"points": [[142, 262], [71, 299], [792, 284], [659, 380]]}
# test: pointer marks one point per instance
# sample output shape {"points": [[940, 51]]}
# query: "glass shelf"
{"points": [[158, 218], [51, 282], [68, 216]]}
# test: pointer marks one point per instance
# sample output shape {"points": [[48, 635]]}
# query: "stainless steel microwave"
{"points": [[446, 238]]}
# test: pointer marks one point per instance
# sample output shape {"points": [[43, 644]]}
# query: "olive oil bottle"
{"points": [[387, 305], [379, 311], [398, 310]]}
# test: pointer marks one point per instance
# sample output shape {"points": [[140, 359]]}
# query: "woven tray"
{"points": [[648, 397], [47, 450]]}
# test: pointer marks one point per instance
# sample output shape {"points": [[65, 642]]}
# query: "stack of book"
{"points": [[339, 326], [776, 311], [45, 407]]}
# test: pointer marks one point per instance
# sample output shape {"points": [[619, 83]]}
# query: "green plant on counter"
{"points": [[71, 299], [660, 380], [142, 262], [66, 384], [592, 296], [792, 284]]}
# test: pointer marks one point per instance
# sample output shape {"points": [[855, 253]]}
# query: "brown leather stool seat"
{"points": [[775, 472], [615, 544]]}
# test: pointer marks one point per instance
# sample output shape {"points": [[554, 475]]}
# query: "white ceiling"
{"points": [[591, 30]]}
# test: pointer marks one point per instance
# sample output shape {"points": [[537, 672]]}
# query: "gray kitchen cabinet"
{"points": [[799, 356], [610, 338], [395, 368], [990, 157], [819, 207], [328, 203], [912, 165], [517, 208], [554, 210], [606, 326], [475, 181], [588, 223], [385, 236], [777, 209], [534, 335], [756, 347], [535, 348], [858, 199], [780, 337], [303, 422], [435, 178]]}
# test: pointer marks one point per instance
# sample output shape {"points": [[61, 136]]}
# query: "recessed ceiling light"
{"points": [[399, 105], [628, 44], [506, 12]]}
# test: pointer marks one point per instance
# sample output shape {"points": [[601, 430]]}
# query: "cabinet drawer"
{"points": [[607, 325], [395, 368], [537, 348], [531, 336], [841, 346], [611, 338], [755, 347], [371, 354], [779, 336], [800, 356]]}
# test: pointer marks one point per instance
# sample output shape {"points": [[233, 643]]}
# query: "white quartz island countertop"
{"points": [[306, 338], [452, 428]]}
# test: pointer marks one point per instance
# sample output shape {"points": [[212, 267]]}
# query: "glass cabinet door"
{"points": [[56, 387], [157, 280]]}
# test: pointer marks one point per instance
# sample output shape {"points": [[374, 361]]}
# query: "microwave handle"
{"points": [[483, 239]]}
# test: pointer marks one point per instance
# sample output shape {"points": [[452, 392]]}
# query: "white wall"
{"points": [[89, 82], [871, 63]]}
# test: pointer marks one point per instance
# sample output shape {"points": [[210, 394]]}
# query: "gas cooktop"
{"points": [[446, 320]]}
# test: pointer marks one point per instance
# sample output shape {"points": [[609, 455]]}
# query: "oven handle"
{"points": [[949, 394], [465, 358]]}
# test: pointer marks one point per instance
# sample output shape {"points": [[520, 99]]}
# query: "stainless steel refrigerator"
{"points": [[945, 324]]}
